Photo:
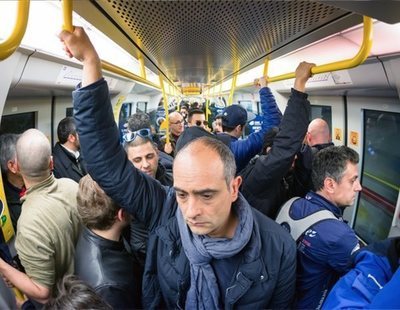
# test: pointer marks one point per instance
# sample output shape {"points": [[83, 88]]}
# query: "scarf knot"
{"points": [[201, 250]]}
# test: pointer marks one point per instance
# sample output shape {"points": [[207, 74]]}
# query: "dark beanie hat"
{"points": [[192, 133]]}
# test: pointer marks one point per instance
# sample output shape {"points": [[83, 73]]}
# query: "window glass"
{"points": [[17, 123], [380, 175]]}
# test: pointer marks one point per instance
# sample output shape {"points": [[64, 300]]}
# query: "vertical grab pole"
{"points": [[230, 98], [165, 107], [67, 15]]}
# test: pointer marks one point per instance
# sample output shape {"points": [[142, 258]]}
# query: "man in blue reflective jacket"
{"points": [[207, 249], [373, 282], [324, 249]]}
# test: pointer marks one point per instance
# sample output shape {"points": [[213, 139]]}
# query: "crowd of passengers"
{"points": [[193, 223]]}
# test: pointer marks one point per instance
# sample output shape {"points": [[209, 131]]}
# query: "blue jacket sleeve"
{"points": [[106, 159], [246, 149], [387, 297]]}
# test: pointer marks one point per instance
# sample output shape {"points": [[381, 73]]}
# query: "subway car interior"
{"points": [[211, 51]]}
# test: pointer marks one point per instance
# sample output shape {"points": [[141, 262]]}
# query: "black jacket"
{"points": [[109, 269], [266, 281], [66, 165], [139, 234], [263, 184]]}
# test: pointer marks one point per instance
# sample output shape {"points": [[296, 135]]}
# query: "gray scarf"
{"points": [[201, 249]]}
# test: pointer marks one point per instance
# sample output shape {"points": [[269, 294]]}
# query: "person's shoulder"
{"points": [[68, 183], [270, 230]]}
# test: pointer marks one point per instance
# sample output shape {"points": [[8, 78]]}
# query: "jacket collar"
{"points": [[324, 203]]}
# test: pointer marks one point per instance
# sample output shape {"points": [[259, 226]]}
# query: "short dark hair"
{"points": [[8, 142], [139, 120], [96, 209], [139, 141], [192, 112], [72, 293], [223, 151], [65, 128], [331, 162]]}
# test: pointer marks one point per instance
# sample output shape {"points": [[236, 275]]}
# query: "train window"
{"points": [[141, 106], [324, 112], [124, 113], [69, 112], [17, 123], [380, 175]]}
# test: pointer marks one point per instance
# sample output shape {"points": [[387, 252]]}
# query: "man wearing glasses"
{"points": [[197, 118], [176, 127]]}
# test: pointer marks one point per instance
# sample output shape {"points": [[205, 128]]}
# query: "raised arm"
{"points": [[270, 169], [106, 159], [246, 149]]}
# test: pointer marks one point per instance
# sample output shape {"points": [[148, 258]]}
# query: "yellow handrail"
{"points": [[343, 64], [14, 40], [68, 26], [125, 73], [67, 15], [165, 99]]}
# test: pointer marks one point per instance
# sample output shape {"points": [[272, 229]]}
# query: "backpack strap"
{"points": [[298, 227]]}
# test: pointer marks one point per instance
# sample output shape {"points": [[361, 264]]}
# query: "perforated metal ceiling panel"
{"points": [[205, 41]]}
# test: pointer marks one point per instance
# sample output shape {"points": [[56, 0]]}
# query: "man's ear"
{"points": [[235, 185], [329, 185], [71, 138], [12, 166], [121, 215], [51, 164]]}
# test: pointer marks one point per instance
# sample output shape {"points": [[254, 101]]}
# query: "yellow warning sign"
{"points": [[354, 138]]}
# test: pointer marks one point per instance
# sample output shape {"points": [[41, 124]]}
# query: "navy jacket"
{"points": [[266, 281], [323, 252], [246, 149], [66, 165], [373, 281], [263, 178]]}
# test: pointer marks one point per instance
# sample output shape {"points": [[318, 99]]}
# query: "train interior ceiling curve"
{"points": [[198, 47]]}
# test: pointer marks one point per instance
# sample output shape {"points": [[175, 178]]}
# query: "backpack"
{"points": [[297, 228]]}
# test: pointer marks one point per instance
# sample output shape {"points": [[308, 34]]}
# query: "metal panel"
{"points": [[204, 41]]}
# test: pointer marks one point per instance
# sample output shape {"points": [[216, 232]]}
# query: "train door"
{"points": [[373, 127]]}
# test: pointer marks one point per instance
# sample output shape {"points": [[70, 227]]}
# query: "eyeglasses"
{"points": [[178, 122], [198, 123], [144, 133]]}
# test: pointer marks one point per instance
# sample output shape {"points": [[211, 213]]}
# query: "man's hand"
{"points": [[77, 44], [168, 148], [261, 82], [303, 73]]}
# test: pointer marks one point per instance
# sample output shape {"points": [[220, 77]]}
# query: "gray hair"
{"points": [[331, 162], [138, 121], [33, 155], [8, 143], [224, 153]]}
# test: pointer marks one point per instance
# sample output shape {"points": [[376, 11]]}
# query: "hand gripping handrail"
{"points": [[358, 59], [68, 26], [14, 40]]}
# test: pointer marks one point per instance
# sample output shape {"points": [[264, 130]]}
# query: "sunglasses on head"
{"points": [[199, 123], [131, 135]]}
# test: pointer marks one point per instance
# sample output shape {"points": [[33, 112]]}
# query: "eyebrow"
{"points": [[197, 192]]}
